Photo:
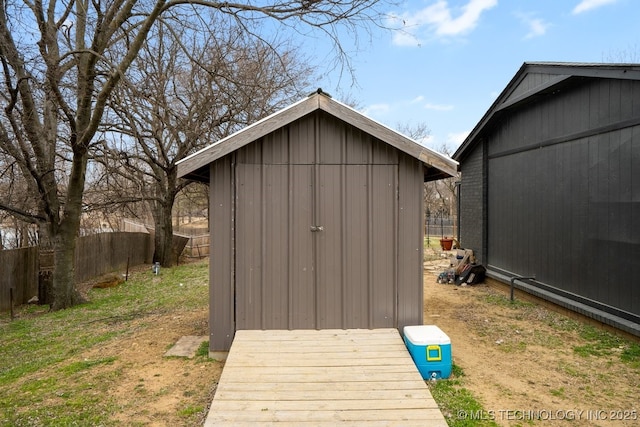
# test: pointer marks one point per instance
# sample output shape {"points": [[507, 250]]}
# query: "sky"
{"points": [[452, 58]]}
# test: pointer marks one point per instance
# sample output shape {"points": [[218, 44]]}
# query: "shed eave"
{"points": [[192, 165], [245, 136], [395, 139]]}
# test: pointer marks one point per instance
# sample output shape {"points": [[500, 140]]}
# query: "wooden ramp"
{"points": [[326, 377]]}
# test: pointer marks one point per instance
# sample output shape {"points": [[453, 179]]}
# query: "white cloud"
{"points": [[403, 38], [447, 144], [464, 23], [383, 109], [457, 138], [586, 5], [438, 18], [537, 27], [376, 109], [438, 107]]}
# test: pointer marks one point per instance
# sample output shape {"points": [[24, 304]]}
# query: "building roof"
{"points": [[195, 166], [550, 77]]}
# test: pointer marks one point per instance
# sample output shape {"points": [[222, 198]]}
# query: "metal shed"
{"points": [[551, 187], [316, 222]]}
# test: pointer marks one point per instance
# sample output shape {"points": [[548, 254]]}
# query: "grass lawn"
{"points": [[46, 377], [55, 371]]}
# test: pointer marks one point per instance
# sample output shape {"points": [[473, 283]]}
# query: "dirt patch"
{"points": [[153, 390], [520, 361]]}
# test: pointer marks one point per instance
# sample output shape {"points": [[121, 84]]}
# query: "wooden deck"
{"points": [[326, 377]]}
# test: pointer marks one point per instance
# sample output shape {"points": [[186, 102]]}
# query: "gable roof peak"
{"points": [[318, 100], [319, 91], [557, 74]]}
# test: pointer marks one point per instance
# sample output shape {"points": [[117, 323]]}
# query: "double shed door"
{"points": [[316, 246]]}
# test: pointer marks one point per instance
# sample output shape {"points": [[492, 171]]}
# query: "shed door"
{"points": [[316, 246]]}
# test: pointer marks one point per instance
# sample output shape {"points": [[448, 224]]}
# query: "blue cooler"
{"points": [[430, 349]]}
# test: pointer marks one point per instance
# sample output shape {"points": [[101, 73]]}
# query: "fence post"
{"points": [[11, 303]]}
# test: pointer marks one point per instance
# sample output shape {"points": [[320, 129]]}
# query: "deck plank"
{"points": [[325, 377]]}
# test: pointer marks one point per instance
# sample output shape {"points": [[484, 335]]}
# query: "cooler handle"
{"points": [[436, 357]]}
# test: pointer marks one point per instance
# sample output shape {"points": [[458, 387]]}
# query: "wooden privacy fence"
{"points": [[197, 246], [102, 253], [24, 269], [18, 271]]}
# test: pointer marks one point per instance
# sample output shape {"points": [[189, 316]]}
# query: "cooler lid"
{"points": [[426, 334]]}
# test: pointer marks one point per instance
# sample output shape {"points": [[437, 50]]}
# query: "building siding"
{"points": [[411, 241], [269, 271], [472, 207], [564, 193], [221, 264], [530, 82]]}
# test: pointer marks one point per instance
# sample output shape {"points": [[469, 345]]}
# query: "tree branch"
{"points": [[21, 214]]}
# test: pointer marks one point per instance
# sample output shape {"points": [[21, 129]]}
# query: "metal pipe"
{"points": [[513, 279]]}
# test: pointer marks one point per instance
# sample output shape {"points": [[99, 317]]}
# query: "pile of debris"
{"points": [[463, 269]]}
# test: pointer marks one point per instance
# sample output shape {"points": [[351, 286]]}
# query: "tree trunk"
{"points": [[164, 234], [63, 237], [162, 209], [64, 291]]}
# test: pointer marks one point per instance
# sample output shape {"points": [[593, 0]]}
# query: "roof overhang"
{"points": [[564, 75], [196, 166]]}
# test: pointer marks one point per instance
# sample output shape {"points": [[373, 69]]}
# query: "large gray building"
{"points": [[316, 222], [551, 187]]}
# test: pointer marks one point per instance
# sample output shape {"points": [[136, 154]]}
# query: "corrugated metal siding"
{"points": [[410, 242], [567, 210], [343, 276], [364, 270], [221, 264], [341, 144], [302, 296], [328, 247], [383, 188], [274, 274]]}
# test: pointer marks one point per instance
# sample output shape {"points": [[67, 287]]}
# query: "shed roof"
{"points": [[557, 75], [195, 166]]}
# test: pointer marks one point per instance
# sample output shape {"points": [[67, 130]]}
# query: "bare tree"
{"points": [[419, 132], [186, 90], [17, 232], [192, 207], [61, 62], [630, 55], [440, 197]]}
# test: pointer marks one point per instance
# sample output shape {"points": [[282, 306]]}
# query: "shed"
{"points": [[551, 187], [316, 222]]}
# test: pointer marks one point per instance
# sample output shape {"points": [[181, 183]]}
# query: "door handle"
{"points": [[317, 228]]}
